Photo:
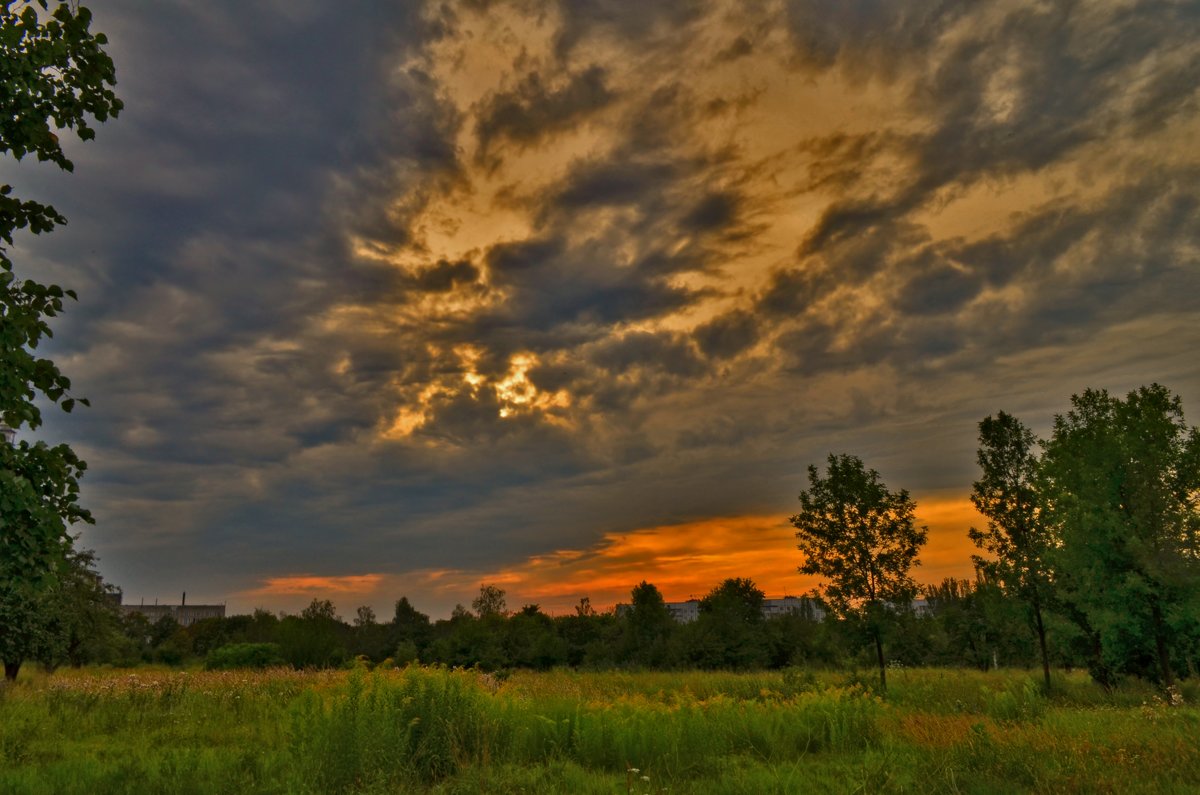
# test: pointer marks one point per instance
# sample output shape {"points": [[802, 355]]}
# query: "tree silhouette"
{"points": [[861, 536], [1006, 493]]}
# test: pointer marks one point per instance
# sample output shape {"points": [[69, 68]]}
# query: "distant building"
{"points": [[183, 613], [798, 605], [685, 612]]}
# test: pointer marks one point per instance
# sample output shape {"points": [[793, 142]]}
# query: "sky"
{"points": [[383, 300]]}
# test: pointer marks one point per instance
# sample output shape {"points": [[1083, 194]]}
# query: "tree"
{"points": [[83, 614], [588, 635], [648, 626], [490, 601], [368, 638], [1121, 489], [1007, 495], [314, 640], [320, 610], [409, 628], [56, 75], [531, 640], [729, 632], [862, 537], [71, 618]]}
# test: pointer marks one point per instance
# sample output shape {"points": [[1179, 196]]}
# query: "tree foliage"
{"points": [[490, 601], [648, 626], [1120, 487], [56, 76], [863, 538], [69, 619], [1017, 541]]}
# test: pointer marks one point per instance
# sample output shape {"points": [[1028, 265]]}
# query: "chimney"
{"points": [[183, 601]]}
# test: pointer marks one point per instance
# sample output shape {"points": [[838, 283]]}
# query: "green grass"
{"points": [[432, 730]]}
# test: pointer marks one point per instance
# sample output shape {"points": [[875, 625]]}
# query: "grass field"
{"points": [[431, 730]]}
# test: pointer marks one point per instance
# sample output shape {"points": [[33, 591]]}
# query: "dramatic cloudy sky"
{"points": [[382, 299]]}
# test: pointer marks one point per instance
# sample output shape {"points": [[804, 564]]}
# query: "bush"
{"points": [[244, 655]]}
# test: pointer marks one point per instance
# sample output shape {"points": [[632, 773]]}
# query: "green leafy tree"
{"points": [[369, 638], [648, 627], [1121, 489], [1006, 493], [532, 641], [588, 635], [490, 601], [863, 538], [410, 629], [71, 618], [83, 615], [208, 635], [315, 638], [466, 640], [729, 632], [56, 76], [320, 610]]}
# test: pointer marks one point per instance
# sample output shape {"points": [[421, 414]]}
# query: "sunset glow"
{"points": [[685, 561]]}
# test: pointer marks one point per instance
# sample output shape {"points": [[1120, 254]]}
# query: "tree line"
{"points": [[966, 623]]}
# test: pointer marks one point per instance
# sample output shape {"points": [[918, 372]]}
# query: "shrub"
{"points": [[244, 655]]}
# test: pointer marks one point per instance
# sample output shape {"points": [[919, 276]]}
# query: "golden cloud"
{"points": [[316, 585]]}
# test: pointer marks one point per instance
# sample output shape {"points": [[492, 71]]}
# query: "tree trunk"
{"points": [[1160, 642], [1041, 633], [882, 667], [10, 670]]}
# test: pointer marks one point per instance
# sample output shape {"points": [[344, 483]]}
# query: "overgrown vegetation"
{"points": [[438, 730]]}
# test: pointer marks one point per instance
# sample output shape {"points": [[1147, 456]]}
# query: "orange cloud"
{"points": [[304, 584]]}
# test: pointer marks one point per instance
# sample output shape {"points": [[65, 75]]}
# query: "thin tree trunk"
{"points": [[1160, 641], [882, 667], [1041, 633]]}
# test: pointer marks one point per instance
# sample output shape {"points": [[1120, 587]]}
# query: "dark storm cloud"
{"points": [[737, 48], [937, 288], [727, 335], [634, 23], [624, 180], [552, 284], [532, 111], [666, 353], [868, 38], [445, 276], [319, 337], [714, 212]]}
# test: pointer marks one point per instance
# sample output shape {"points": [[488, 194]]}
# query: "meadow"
{"points": [[442, 731]]}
